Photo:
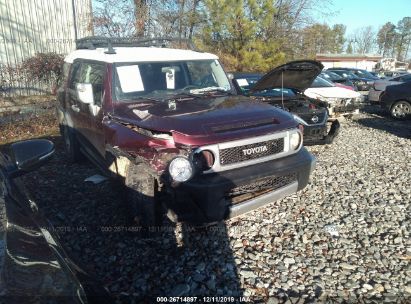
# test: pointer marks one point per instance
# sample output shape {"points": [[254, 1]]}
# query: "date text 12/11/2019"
{"points": [[204, 299]]}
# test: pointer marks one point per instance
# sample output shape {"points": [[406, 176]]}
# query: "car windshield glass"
{"points": [[331, 76], [364, 74], [247, 82], [163, 79], [321, 83], [346, 74]]}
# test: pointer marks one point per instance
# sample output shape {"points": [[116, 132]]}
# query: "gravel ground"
{"points": [[346, 237]]}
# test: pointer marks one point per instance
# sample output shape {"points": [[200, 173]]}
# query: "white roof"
{"points": [[138, 54]]}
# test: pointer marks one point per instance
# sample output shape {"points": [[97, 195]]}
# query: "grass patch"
{"points": [[32, 127]]}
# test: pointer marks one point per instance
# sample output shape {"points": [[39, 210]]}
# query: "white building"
{"points": [[361, 61], [28, 27]]}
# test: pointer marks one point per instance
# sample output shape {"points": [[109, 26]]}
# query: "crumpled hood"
{"points": [[297, 75], [331, 92], [202, 117]]}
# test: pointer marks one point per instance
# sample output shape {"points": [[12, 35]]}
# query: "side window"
{"points": [[405, 78], [75, 75], [92, 73], [61, 81]]}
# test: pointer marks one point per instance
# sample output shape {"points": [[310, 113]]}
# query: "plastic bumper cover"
{"points": [[204, 198]]}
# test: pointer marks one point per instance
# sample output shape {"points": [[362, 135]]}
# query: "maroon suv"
{"points": [[166, 122]]}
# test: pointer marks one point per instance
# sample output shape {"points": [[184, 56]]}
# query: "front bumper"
{"points": [[374, 96], [204, 199], [317, 135]]}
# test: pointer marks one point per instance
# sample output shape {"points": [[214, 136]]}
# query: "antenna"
{"points": [[282, 89], [110, 49]]}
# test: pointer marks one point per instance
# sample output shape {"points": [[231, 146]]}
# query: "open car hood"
{"points": [[293, 75]]}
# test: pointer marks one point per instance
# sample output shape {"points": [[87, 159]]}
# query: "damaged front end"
{"points": [[319, 129], [343, 106]]}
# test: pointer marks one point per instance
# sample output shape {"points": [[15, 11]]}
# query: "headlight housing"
{"points": [[299, 120], [295, 140], [180, 169]]}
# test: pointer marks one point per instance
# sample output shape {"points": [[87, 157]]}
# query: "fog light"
{"points": [[180, 169], [295, 140]]}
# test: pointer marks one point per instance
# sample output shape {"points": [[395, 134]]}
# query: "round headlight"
{"points": [[295, 140], [180, 169]]}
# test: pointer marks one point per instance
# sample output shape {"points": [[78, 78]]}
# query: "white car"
{"points": [[340, 101]]}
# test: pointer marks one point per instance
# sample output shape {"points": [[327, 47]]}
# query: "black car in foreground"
{"points": [[361, 83], [397, 100], [282, 87], [34, 267]]}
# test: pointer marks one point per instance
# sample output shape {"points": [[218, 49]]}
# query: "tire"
{"points": [[143, 199], [71, 145], [401, 110]]}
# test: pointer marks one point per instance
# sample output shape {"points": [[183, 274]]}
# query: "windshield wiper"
{"points": [[210, 90], [148, 99], [181, 95]]}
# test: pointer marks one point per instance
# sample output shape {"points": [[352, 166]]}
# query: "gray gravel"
{"points": [[346, 237]]}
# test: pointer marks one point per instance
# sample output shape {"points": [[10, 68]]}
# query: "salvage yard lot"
{"points": [[345, 236]]}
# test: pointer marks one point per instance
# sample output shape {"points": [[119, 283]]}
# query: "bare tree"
{"points": [[113, 18], [141, 17], [365, 39]]}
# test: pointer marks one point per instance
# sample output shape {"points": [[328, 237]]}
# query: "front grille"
{"points": [[315, 131], [267, 183], [308, 118], [252, 151]]}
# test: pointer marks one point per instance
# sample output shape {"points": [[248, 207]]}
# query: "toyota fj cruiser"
{"points": [[166, 122]]}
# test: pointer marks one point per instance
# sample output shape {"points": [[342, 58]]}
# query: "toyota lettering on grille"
{"points": [[255, 150]]}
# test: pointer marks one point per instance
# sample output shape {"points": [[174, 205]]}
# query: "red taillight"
{"points": [[311, 106]]}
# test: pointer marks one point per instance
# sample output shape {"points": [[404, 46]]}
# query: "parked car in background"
{"points": [[360, 73], [391, 74], [361, 83], [380, 85], [34, 267], [165, 122], [335, 78], [314, 118], [375, 74], [339, 101], [397, 100]]}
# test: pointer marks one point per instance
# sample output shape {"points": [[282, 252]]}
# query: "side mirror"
{"points": [[29, 155], [85, 93]]}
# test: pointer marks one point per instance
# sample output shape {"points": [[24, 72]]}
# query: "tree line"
{"points": [[248, 35]]}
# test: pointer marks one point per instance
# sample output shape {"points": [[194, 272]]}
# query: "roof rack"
{"points": [[93, 42]]}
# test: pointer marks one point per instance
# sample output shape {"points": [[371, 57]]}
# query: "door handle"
{"points": [[75, 108]]}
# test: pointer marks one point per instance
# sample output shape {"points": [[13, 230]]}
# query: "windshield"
{"points": [[245, 83], [162, 79], [331, 76], [321, 83], [346, 74], [364, 74]]}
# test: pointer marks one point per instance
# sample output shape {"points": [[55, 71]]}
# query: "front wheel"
{"points": [[401, 109]]}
